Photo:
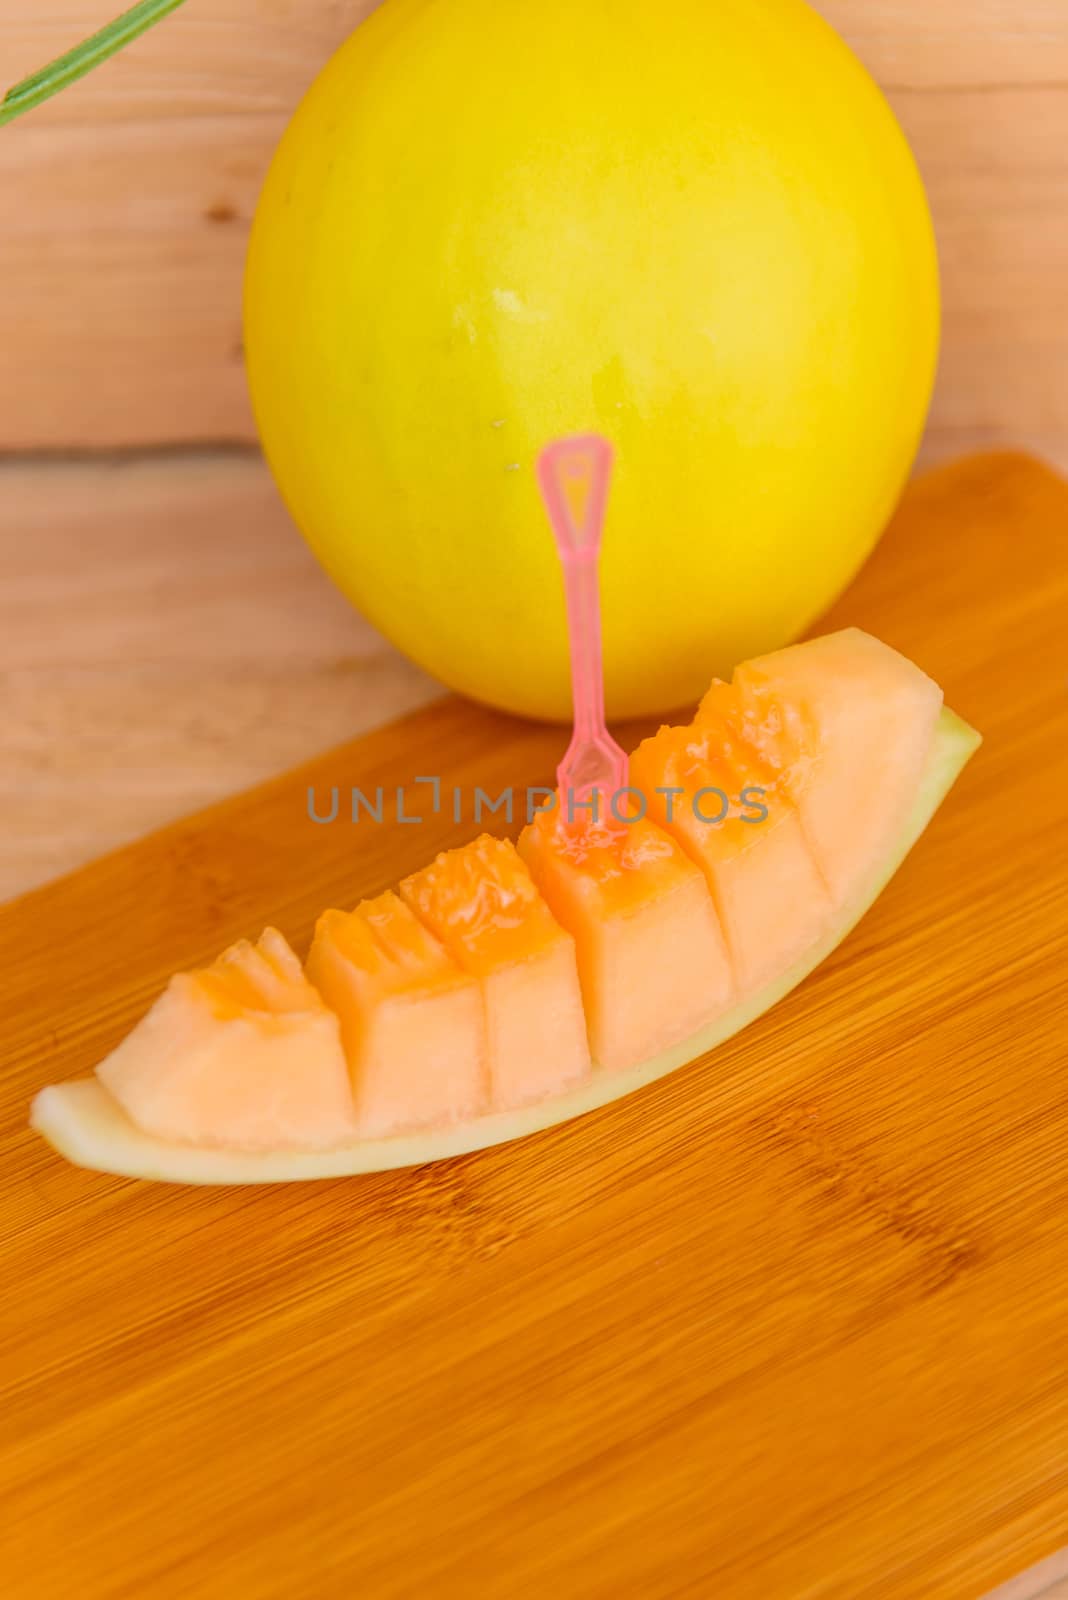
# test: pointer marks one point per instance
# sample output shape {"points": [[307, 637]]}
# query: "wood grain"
{"points": [[166, 638], [125, 204], [788, 1325]]}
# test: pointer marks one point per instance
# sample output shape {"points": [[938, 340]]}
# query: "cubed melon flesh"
{"points": [[238, 1074], [849, 724], [242, 1054], [411, 1018], [480, 901], [728, 810], [651, 955]]}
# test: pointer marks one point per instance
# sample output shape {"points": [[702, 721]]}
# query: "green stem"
{"points": [[83, 58]]}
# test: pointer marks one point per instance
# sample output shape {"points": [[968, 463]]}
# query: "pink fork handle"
{"points": [[587, 665], [574, 476]]}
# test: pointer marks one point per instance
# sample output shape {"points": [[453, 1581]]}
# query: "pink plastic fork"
{"points": [[574, 476]]}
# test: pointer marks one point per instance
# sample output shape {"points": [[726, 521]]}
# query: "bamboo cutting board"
{"points": [[792, 1323]]}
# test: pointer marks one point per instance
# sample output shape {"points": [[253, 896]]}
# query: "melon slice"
{"points": [[411, 1018], [184, 1079], [730, 811], [848, 725], [480, 901], [651, 957], [242, 1054]]}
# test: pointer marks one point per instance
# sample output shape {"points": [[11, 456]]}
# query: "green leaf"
{"points": [[83, 58]]}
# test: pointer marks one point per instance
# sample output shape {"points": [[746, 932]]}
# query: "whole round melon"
{"points": [[696, 228]]}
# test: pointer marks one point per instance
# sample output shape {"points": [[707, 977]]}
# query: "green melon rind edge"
{"points": [[83, 1123]]}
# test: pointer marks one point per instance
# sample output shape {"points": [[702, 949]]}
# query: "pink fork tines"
{"points": [[574, 476]]}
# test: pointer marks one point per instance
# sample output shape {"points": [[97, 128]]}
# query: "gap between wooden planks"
{"points": [[788, 1325]]}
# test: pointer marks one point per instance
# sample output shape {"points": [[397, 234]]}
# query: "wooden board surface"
{"points": [[787, 1325], [125, 205]]}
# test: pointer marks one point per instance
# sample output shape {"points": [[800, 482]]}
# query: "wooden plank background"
{"points": [[165, 639], [125, 203], [164, 636]]}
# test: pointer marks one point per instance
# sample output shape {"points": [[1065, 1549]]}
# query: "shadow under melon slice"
{"points": [[651, 954], [242, 1054], [411, 1018], [481, 902]]}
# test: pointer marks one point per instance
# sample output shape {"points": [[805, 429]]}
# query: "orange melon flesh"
{"points": [[848, 724], [411, 1018], [769, 894], [456, 1007], [480, 901], [242, 1054], [88, 1126], [651, 956]]}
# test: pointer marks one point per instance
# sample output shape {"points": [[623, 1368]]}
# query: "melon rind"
{"points": [[83, 1123]]}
